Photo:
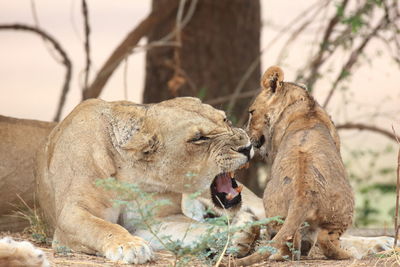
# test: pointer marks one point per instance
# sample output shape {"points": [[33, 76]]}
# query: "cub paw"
{"points": [[136, 251], [243, 240]]}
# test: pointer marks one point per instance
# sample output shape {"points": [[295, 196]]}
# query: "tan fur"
{"points": [[19, 141], [148, 145], [20, 254], [307, 180]]}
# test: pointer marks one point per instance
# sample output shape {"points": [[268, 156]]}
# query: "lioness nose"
{"points": [[246, 150], [258, 143]]}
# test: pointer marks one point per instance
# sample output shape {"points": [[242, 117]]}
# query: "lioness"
{"points": [[307, 185], [18, 254], [154, 146], [19, 141]]}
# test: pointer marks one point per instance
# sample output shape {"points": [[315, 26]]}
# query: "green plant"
{"points": [[210, 247], [372, 177]]}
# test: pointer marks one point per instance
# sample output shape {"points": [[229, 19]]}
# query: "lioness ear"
{"points": [[272, 79], [137, 139], [130, 132]]}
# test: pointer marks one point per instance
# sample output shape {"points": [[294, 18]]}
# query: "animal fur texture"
{"points": [[307, 183], [21, 254]]}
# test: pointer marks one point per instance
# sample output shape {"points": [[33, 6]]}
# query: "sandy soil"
{"points": [[165, 258]]}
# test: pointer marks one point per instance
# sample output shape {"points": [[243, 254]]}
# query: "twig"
{"points": [[223, 99], [172, 84], [396, 216], [85, 13], [73, 21], [165, 41], [126, 46], [37, 25], [90, 263], [57, 46], [228, 238], [299, 30], [360, 126], [257, 60], [316, 63], [241, 83], [354, 57], [126, 78]]}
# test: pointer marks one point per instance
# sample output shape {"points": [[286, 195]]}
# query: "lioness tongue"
{"points": [[223, 183]]}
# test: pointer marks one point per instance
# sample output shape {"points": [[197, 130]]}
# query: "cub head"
{"points": [[185, 146], [267, 108]]}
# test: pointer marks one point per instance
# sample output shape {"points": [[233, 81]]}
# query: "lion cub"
{"points": [[307, 183]]}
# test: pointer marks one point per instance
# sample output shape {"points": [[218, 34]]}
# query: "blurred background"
{"points": [[54, 54]]}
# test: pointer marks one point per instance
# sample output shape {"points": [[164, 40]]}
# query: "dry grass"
{"points": [[37, 227], [389, 258]]}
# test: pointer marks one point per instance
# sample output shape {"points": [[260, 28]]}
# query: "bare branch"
{"points": [[354, 57], [126, 46], [257, 60], [48, 45], [362, 127], [396, 216], [299, 30], [85, 14], [317, 62], [57, 46], [126, 78], [177, 80], [223, 99]]}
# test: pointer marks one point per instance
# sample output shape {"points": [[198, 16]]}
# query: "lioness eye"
{"points": [[199, 137]]}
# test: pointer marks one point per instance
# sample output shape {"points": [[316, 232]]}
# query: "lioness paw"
{"points": [[360, 247], [136, 251], [23, 253]]}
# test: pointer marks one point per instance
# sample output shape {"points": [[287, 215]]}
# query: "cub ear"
{"points": [[272, 79]]}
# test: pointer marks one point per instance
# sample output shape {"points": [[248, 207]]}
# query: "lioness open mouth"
{"points": [[225, 192]]}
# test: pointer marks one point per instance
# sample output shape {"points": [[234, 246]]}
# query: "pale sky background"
{"points": [[31, 80]]}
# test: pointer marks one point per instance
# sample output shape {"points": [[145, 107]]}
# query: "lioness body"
{"points": [[19, 141], [153, 146], [307, 184]]}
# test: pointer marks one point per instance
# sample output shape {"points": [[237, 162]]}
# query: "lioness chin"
{"points": [[154, 146], [307, 183]]}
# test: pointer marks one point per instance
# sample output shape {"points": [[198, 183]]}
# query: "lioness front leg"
{"points": [[83, 231], [360, 246]]}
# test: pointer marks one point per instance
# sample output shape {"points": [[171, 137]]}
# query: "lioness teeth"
{"points": [[239, 188], [231, 174], [229, 196], [245, 166]]}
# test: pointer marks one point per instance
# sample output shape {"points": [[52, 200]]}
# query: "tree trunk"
{"points": [[218, 45]]}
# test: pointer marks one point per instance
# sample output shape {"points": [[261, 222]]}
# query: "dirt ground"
{"points": [[165, 258]]}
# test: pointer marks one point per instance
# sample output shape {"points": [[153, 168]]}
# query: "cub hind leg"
{"points": [[309, 236], [288, 240], [329, 243]]}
